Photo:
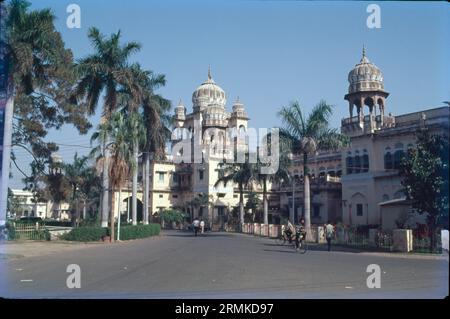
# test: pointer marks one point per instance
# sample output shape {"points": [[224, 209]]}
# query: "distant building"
{"points": [[357, 185], [371, 185], [24, 206]]}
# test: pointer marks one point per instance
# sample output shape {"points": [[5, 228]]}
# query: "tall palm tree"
{"points": [[153, 108], [107, 71], [137, 137], [280, 176], [242, 174], [121, 151], [305, 135]]}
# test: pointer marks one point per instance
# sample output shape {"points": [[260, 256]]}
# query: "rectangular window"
{"points": [[161, 177], [160, 196], [316, 211], [175, 178], [174, 196], [200, 174], [235, 196], [359, 209]]}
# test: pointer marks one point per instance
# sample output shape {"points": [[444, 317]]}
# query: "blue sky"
{"points": [[270, 52]]}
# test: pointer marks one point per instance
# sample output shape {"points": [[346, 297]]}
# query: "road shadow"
{"points": [[292, 251], [335, 248], [182, 233]]}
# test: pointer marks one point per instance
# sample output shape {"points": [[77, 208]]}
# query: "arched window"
{"points": [[349, 164], [398, 156], [365, 163], [388, 161]]}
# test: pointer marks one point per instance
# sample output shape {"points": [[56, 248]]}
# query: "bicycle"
{"points": [[302, 245], [285, 238]]}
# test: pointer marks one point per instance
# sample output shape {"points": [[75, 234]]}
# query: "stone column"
{"points": [[402, 240]]}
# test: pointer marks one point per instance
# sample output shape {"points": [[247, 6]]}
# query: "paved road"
{"points": [[220, 265]]}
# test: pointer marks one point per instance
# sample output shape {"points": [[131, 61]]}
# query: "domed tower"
{"points": [[239, 118], [366, 89], [208, 93], [180, 113]]}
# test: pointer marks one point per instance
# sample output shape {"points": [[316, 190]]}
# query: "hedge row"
{"points": [[139, 231], [95, 233], [88, 233]]}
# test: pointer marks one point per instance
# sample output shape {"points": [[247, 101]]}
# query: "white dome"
{"points": [[365, 76], [209, 93]]}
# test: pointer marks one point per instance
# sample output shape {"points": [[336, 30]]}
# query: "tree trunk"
{"points": [[119, 205], [146, 189], [292, 212], [6, 157], [134, 186], [111, 220], [307, 200], [265, 204], [105, 185], [432, 230], [241, 205]]}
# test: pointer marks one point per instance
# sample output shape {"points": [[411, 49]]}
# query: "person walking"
{"points": [[329, 234], [202, 226], [196, 225]]}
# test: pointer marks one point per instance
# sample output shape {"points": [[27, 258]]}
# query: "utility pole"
{"points": [[6, 115]]}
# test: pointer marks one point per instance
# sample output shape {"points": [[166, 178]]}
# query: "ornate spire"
{"points": [[364, 58], [209, 72]]}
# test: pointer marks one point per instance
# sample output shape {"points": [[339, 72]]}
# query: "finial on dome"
{"points": [[180, 103], [364, 58], [209, 72]]}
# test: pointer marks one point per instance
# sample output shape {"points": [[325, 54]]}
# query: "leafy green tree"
{"points": [[241, 174], [75, 174], [424, 174], [42, 77], [201, 200], [304, 135], [171, 216], [254, 203]]}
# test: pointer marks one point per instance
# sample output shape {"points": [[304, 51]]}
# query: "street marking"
{"points": [[26, 280], [348, 287], [19, 269]]}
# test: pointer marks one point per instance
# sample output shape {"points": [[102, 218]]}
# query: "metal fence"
{"points": [[28, 231], [421, 244], [369, 239]]}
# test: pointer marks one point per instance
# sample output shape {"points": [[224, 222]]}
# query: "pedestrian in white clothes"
{"points": [[202, 226]]}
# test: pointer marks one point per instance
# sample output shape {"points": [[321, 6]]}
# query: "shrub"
{"points": [[87, 233], [172, 215], [139, 231]]}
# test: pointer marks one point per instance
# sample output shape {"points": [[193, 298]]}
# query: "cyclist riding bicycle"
{"points": [[288, 231], [300, 234]]}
